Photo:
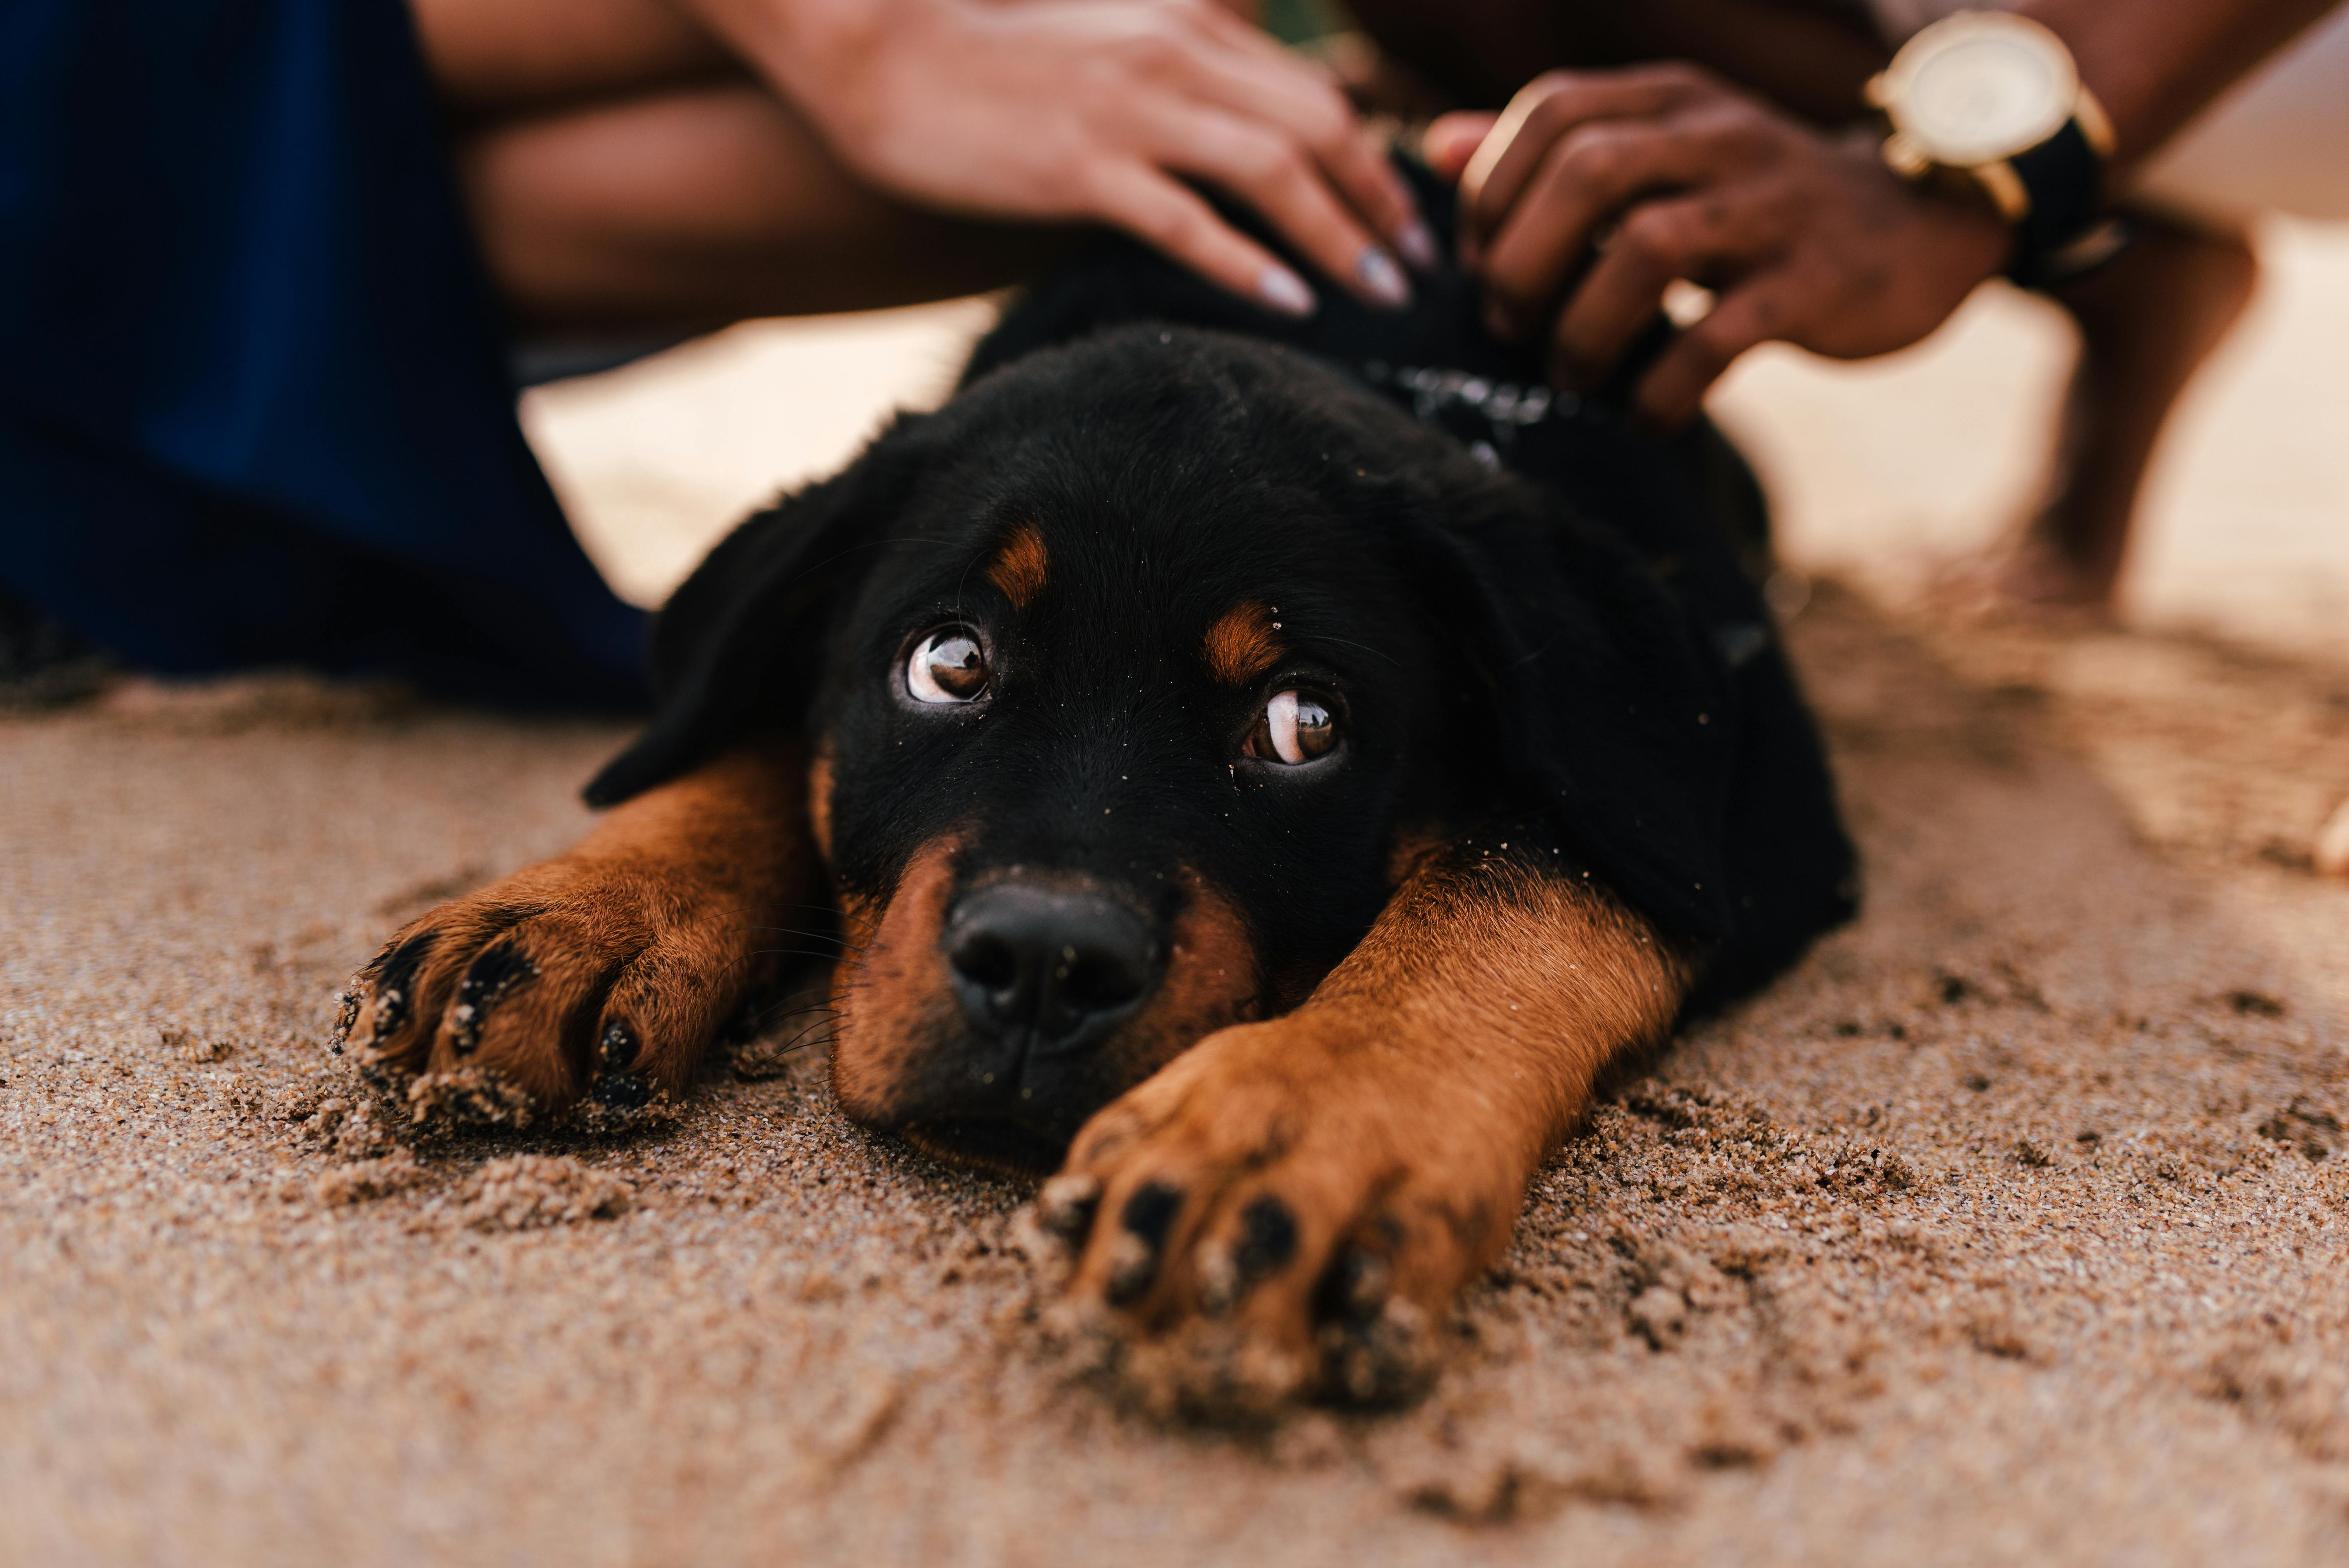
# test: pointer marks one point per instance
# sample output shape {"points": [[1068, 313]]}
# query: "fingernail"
{"points": [[1382, 278], [1283, 291], [1416, 241]]}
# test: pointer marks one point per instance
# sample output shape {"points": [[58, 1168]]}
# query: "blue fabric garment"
{"points": [[254, 407]]}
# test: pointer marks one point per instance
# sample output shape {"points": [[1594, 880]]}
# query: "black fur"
{"points": [[1548, 617]]}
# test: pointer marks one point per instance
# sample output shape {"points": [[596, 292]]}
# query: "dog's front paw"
{"points": [[578, 990], [1287, 1209]]}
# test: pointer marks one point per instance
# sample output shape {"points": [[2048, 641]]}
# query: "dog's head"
{"points": [[1132, 678]]}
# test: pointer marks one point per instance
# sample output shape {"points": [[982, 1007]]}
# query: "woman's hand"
{"points": [[1097, 110], [1595, 192]]}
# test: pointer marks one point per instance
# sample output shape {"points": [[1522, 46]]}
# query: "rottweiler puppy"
{"points": [[1266, 771]]}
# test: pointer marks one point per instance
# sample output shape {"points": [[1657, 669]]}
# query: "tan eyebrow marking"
{"points": [[1017, 566], [1241, 645]]}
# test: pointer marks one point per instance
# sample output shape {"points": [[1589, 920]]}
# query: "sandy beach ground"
{"points": [[2013, 1226]]}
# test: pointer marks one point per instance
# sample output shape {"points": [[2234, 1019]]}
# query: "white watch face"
{"points": [[1990, 96]]}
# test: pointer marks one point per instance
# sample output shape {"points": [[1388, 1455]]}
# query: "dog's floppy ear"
{"points": [[737, 649], [1605, 708]]}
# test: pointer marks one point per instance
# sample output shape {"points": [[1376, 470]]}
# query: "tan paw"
{"points": [[1288, 1209], [578, 990]]}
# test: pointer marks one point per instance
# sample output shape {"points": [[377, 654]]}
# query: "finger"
{"points": [[1306, 102], [1547, 108], [1450, 141], [1585, 179], [1274, 173], [1659, 242], [1673, 390], [1162, 213]]}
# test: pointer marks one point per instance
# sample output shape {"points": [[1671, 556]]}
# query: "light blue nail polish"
{"points": [[1382, 278], [1285, 292], [1417, 243]]}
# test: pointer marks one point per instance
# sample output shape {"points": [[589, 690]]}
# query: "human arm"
{"points": [[1803, 234], [1094, 110]]}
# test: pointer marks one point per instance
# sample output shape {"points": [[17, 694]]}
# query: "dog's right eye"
{"points": [[948, 666], [1295, 728]]}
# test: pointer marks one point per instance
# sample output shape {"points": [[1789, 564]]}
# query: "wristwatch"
{"points": [[1994, 100]]}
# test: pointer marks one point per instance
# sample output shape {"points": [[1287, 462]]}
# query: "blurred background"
{"points": [[1887, 473]]}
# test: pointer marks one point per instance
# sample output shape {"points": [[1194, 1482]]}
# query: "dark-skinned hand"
{"points": [[1585, 199]]}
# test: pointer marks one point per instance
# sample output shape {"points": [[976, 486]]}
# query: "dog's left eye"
{"points": [[1295, 728], [948, 666]]}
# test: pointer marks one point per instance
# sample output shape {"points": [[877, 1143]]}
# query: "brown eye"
{"points": [[948, 666], [1295, 727]]}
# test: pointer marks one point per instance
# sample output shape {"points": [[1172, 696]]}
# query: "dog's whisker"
{"points": [[797, 930], [800, 1042], [800, 952], [768, 1016], [833, 911]]}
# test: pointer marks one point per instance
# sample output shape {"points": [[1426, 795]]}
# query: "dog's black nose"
{"points": [[1048, 967]]}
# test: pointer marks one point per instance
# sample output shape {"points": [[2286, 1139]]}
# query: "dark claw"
{"points": [[395, 980], [1355, 1288], [1133, 1256], [1151, 1210], [617, 1050], [623, 1091], [1268, 1240], [492, 976], [346, 1014]]}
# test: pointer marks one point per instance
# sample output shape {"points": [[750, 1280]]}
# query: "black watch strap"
{"points": [[2064, 177]]}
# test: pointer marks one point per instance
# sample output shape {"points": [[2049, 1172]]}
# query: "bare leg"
{"points": [[701, 206], [625, 174], [2147, 324]]}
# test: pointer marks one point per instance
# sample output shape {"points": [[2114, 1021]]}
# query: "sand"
{"points": [[2012, 1225]]}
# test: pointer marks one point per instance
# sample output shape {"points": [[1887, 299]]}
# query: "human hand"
{"points": [[1595, 191], [1095, 110]]}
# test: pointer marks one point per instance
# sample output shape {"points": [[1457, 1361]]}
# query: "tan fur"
{"points": [[1242, 645], [895, 1002], [819, 799], [652, 923], [1019, 566]]}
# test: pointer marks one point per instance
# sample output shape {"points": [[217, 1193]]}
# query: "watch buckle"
{"points": [[1904, 158]]}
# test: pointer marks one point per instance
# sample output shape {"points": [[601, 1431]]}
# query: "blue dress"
{"points": [[254, 402]]}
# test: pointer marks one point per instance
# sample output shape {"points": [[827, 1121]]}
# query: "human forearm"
{"points": [[1106, 112], [809, 49], [2155, 64]]}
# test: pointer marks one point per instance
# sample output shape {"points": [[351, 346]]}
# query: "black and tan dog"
{"points": [[1268, 771]]}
